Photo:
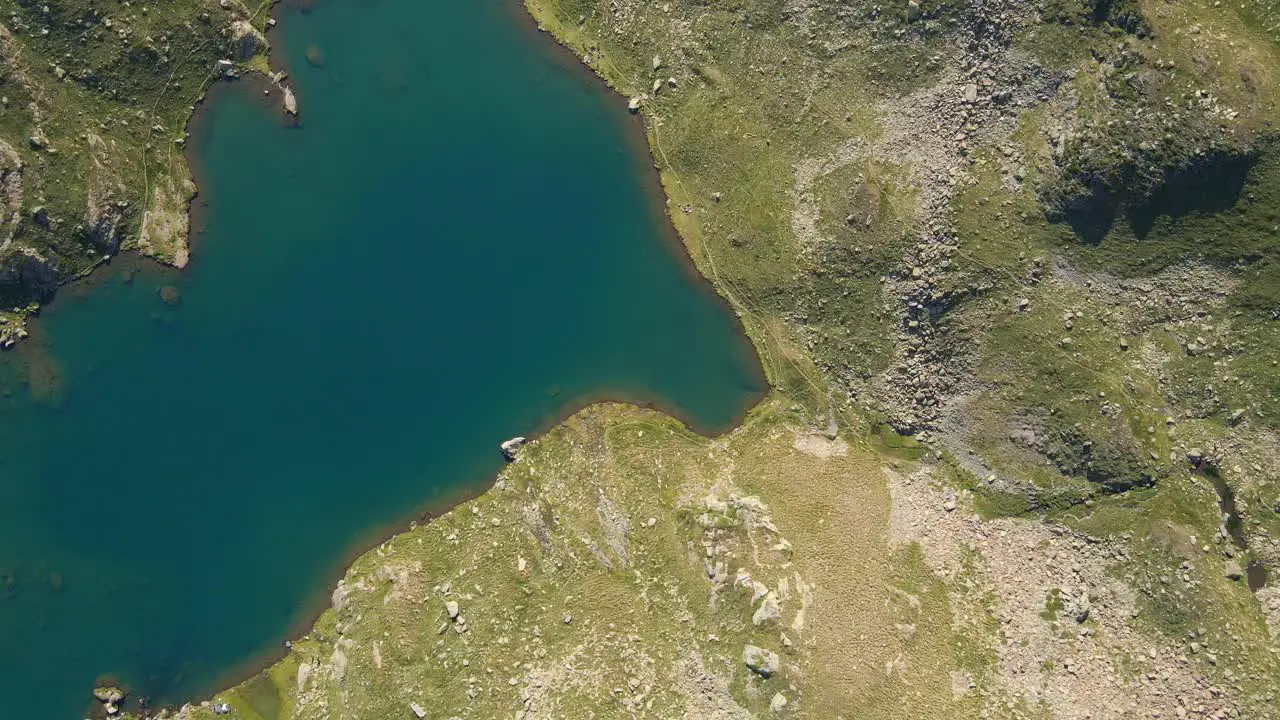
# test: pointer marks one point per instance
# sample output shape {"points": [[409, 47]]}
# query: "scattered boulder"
{"points": [[764, 663], [170, 295], [511, 448], [634, 105], [451, 607], [1078, 607], [418, 711], [338, 664], [109, 694], [778, 703], [340, 596], [304, 674], [769, 611], [290, 102], [10, 334], [1231, 570], [949, 500]]}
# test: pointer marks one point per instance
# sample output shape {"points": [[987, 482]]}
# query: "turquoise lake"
{"points": [[461, 242]]}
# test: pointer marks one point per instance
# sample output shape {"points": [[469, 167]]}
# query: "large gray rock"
{"points": [[108, 694], [1079, 607], [511, 447], [769, 611], [764, 663]]}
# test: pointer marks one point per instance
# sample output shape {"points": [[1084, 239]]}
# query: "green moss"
{"points": [[895, 444], [1053, 604]]}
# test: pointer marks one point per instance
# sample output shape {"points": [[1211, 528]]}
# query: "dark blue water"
{"points": [[458, 245]]}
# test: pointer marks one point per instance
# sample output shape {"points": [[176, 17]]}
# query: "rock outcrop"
{"points": [[165, 224], [764, 663], [247, 40], [26, 272]]}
